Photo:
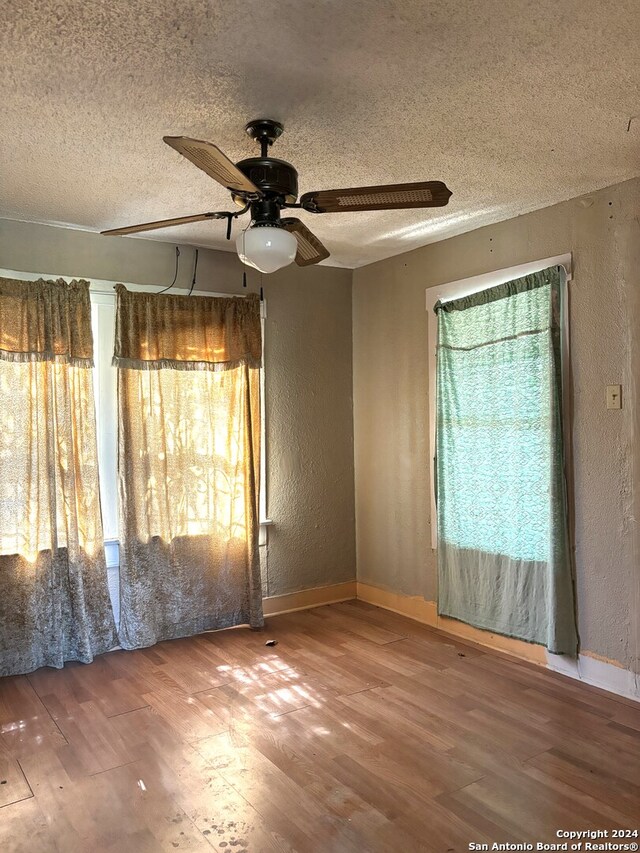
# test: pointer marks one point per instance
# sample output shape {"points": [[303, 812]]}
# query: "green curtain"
{"points": [[504, 562]]}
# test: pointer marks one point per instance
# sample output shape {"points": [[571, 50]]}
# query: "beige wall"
{"points": [[308, 382], [391, 402], [309, 385]]}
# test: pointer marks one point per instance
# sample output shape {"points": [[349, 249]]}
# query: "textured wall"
{"points": [[391, 411], [308, 382]]}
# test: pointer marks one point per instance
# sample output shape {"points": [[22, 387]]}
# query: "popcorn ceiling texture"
{"points": [[390, 377], [516, 106]]}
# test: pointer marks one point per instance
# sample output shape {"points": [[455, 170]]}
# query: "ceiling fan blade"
{"points": [[161, 223], [310, 249], [211, 160], [388, 197]]}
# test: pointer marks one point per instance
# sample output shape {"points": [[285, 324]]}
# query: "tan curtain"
{"points": [[54, 600], [189, 457]]}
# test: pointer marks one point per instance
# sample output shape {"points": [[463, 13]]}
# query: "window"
{"points": [[455, 290], [103, 324], [103, 314], [504, 556], [103, 319]]}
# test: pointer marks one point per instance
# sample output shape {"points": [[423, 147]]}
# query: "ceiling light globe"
{"points": [[266, 248]]}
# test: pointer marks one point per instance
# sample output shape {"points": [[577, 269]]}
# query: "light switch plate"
{"points": [[614, 396]]}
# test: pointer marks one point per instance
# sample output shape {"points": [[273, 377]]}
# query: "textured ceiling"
{"points": [[516, 105]]}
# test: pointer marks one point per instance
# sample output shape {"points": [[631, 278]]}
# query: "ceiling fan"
{"points": [[265, 186]]}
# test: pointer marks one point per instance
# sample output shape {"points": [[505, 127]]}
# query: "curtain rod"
{"points": [[465, 286], [151, 288], [106, 286]]}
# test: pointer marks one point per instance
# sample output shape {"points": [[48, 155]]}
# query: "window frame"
{"points": [[448, 291]]}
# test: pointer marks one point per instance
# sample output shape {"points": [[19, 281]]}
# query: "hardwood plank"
{"points": [[66, 796], [144, 671], [439, 829], [366, 629], [628, 717], [24, 829], [188, 715], [272, 793], [341, 674], [388, 716], [278, 693], [530, 809], [379, 784], [193, 664], [591, 779], [13, 783], [89, 732], [359, 731], [25, 724], [99, 683], [324, 730], [150, 807], [611, 756], [283, 742], [554, 683]]}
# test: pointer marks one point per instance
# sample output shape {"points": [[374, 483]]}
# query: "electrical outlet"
{"points": [[614, 396]]}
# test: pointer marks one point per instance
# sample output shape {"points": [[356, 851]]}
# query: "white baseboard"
{"points": [[598, 673]]}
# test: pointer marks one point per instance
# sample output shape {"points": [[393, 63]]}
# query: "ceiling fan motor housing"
{"points": [[273, 177], [265, 211]]}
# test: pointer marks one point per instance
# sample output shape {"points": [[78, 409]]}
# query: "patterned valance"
{"points": [[186, 332], [45, 321]]}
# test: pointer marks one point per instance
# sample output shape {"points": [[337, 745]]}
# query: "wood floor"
{"points": [[359, 731]]}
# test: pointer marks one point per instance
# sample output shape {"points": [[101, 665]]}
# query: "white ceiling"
{"points": [[514, 104]]}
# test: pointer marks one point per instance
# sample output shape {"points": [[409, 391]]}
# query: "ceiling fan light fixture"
{"points": [[266, 248], [266, 186]]}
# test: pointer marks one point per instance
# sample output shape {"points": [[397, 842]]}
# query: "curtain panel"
{"points": [[504, 561], [189, 461], [54, 599]]}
